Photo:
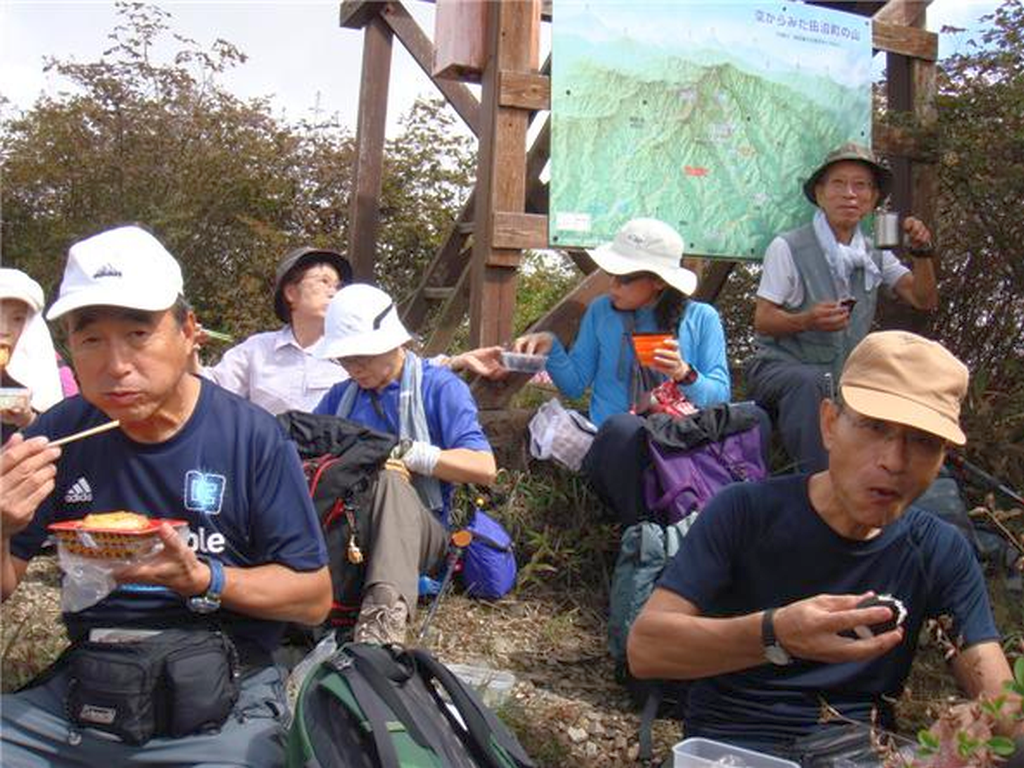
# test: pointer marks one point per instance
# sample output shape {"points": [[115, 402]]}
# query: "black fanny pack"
{"points": [[138, 684]]}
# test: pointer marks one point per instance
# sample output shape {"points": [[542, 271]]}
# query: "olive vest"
{"points": [[828, 349]]}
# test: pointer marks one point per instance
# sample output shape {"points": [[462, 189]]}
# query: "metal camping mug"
{"points": [[887, 229]]}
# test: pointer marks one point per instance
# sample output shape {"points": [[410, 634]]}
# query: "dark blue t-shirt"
{"points": [[447, 403], [762, 545], [230, 472]]}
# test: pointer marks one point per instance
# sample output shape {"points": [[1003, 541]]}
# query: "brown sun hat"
{"points": [[906, 379], [301, 258], [858, 153]]}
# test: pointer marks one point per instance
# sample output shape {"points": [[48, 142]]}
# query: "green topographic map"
{"points": [[702, 141]]}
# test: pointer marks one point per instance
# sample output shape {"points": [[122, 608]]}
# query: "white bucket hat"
{"points": [[647, 245], [361, 320], [124, 267], [33, 362]]}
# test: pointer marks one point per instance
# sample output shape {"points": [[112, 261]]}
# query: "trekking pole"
{"points": [[963, 467], [459, 541], [990, 482]]}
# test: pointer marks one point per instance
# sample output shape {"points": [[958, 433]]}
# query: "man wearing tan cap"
{"points": [[819, 286], [760, 607]]}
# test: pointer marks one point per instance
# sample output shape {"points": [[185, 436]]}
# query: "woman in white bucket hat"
{"points": [[649, 293]]}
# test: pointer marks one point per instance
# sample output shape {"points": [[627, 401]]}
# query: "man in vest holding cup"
{"points": [[818, 292]]}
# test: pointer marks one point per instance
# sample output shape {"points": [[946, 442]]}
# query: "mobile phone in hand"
{"points": [[848, 303]]}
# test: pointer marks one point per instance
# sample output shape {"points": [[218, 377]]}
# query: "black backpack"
{"points": [[368, 706], [341, 460]]}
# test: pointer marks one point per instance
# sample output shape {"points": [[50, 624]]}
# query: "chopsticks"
{"points": [[87, 433]]}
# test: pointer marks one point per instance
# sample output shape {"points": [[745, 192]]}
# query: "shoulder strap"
{"points": [[376, 717], [646, 753], [348, 400], [484, 728]]}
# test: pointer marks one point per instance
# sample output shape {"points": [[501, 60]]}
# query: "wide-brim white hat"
{"points": [[124, 267], [361, 320], [647, 245]]}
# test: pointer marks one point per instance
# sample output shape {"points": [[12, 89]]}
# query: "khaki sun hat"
{"points": [[647, 245], [859, 153], [906, 379]]}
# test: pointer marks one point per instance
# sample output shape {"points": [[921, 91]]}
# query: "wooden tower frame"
{"points": [[476, 268]]}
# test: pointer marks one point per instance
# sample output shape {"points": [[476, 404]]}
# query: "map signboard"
{"points": [[707, 116]]}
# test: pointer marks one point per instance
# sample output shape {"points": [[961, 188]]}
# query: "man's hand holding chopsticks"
{"points": [[27, 472]]}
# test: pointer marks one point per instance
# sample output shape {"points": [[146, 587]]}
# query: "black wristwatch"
{"points": [[773, 650], [209, 601]]}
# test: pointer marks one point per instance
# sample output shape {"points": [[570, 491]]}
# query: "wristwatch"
{"points": [[689, 378], [209, 601], [773, 650]]}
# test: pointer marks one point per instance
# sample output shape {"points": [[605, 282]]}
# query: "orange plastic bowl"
{"points": [[644, 345]]}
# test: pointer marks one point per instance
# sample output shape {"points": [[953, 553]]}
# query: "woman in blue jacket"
{"points": [[649, 293]]}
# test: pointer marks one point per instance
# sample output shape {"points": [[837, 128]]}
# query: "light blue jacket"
{"points": [[593, 360]]}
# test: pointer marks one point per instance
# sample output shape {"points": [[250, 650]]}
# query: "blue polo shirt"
{"points": [[449, 406]]}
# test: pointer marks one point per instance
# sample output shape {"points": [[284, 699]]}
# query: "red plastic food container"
{"points": [[110, 543], [644, 345]]}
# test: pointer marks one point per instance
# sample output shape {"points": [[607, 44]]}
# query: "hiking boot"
{"points": [[382, 617]]}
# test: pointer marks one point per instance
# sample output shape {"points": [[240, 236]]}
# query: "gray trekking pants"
{"points": [[794, 391], [36, 734], [403, 540]]}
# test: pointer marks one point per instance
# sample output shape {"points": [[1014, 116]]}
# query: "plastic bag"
{"points": [[87, 580], [560, 434]]}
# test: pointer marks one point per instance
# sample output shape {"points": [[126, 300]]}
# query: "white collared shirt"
{"points": [[272, 371]]}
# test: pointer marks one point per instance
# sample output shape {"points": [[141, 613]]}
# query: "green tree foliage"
{"points": [[981, 227], [226, 186]]}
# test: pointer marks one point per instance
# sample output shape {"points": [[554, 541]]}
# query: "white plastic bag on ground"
{"points": [[560, 434]]}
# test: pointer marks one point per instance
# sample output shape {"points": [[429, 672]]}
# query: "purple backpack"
{"points": [[693, 458]]}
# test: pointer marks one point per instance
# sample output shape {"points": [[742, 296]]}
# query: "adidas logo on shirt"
{"points": [[79, 492]]}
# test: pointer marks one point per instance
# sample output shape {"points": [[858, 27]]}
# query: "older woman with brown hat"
{"points": [[276, 369], [818, 291]]}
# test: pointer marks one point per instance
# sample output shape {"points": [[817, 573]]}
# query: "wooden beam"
{"points": [[356, 14], [512, 33], [450, 318], [364, 204], [907, 41], [907, 12], [519, 230], [524, 90], [582, 260], [893, 141], [445, 270], [421, 49], [713, 279]]}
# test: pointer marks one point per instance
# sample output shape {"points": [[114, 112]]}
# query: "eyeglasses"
{"points": [[323, 281], [919, 444], [839, 186]]}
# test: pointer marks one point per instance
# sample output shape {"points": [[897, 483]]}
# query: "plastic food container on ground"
{"points": [[705, 753], [493, 685]]}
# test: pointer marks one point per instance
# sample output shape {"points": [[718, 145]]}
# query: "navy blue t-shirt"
{"points": [[762, 545], [230, 472]]}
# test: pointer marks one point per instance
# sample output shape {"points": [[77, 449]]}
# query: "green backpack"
{"points": [[373, 706]]}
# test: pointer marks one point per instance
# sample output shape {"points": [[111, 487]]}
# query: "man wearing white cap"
{"points": [[392, 390], [254, 558], [818, 291], [761, 608]]}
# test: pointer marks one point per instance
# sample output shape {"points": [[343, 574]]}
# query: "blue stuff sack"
{"points": [[489, 562]]}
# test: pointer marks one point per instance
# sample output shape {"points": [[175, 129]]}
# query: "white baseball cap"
{"points": [[647, 245], [361, 320], [124, 267]]}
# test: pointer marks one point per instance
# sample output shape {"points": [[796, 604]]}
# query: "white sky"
{"points": [[297, 52]]}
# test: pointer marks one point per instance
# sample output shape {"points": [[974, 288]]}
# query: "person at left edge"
{"points": [[255, 557]]}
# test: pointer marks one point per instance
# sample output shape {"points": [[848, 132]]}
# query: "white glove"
{"points": [[421, 458]]}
